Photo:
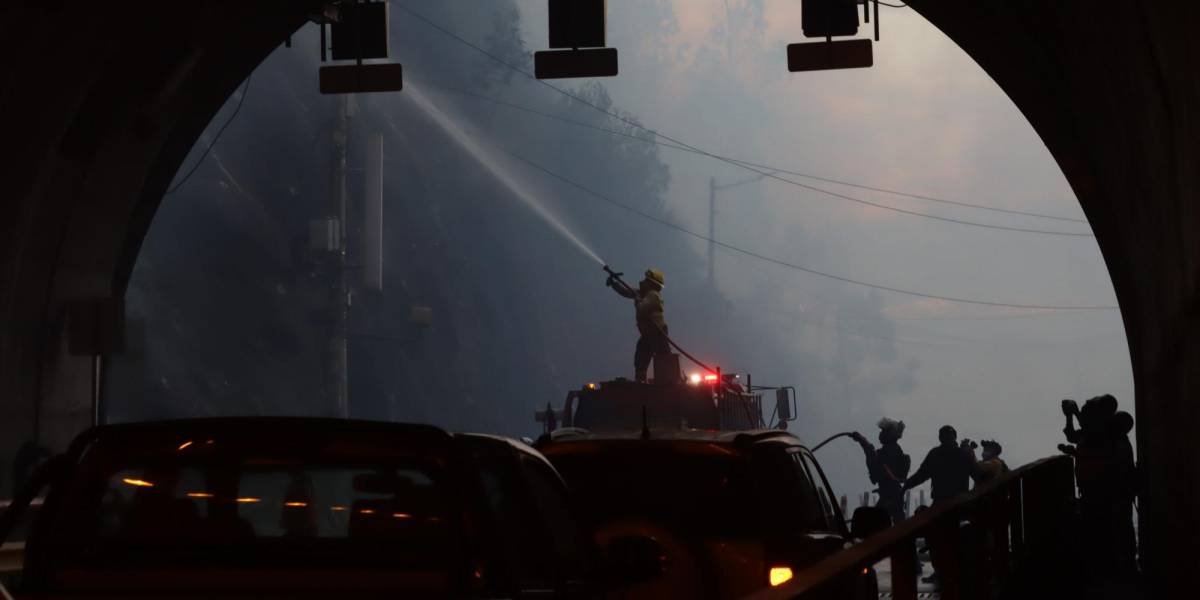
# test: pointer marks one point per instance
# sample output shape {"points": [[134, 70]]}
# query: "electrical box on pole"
{"points": [[324, 234]]}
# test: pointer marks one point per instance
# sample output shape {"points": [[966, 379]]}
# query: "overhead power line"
{"points": [[915, 196], [724, 159], [649, 140], [791, 265], [996, 317], [216, 138]]}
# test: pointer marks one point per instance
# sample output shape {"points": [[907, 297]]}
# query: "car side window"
{"points": [[520, 532], [551, 500], [822, 488], [814, 516], [788, 487]]}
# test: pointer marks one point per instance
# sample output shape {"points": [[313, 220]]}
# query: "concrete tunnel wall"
{"points": [[103, 105], [1113, 91]]}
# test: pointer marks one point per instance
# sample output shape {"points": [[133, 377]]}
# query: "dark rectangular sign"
{"points": [[357, 79], [820, 56], [825, 18], [360, 31], [576, 23], [562, 64]]}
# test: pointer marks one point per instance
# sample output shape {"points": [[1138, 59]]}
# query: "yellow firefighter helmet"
{"points": [[656, 276]]}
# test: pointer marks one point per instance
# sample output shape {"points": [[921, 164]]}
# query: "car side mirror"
{"points": [[869, 520], [783, 404], [634, 559]]}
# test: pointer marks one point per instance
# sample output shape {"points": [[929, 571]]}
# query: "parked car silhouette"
{"points": [[299, 507]]}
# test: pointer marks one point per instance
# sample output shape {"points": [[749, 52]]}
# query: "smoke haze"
{"points": [[229, 306]]}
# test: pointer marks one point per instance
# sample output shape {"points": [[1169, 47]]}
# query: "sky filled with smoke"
{"points": [[232, 307]]}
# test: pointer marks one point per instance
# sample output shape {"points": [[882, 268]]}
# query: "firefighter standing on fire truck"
{"points": [[651, 323]]}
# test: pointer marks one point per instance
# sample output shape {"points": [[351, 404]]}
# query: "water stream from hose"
{"points": [[488, 160], [497, 169]]}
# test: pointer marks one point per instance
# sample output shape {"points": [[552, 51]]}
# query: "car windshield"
{"points": [[693, 491], [200, 504]]}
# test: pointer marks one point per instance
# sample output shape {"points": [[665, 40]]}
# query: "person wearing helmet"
{"points": [[651, 323], [888, 466]]}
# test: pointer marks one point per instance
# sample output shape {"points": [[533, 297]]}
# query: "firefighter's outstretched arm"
{"points": [[872, 457], [620, 287]]}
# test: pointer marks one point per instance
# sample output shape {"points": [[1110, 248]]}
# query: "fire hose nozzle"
{"points": [[614, 278]]}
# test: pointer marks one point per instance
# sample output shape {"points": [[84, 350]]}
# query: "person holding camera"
{"points": [[1106, 474], [991, 466], [1090, 444]]}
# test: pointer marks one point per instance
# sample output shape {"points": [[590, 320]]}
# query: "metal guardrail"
{"points": [[1008, 531]]}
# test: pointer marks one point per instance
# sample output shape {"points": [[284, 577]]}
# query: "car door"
{"points": [[797, 529], [833, 521], [529, 515], [568, 543], [835, 535]]}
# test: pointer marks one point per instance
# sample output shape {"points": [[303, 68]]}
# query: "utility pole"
{"points": [[712, 219], [338, 381], [712, 231]]}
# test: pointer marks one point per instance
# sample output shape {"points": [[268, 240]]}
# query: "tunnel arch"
{"points": [[110, 103]]}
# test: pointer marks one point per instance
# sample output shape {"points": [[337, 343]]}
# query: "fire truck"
{"points": [[709, 400]]}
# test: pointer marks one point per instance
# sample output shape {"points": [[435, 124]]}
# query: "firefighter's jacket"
{"points": [[650, 316], [648, 309], [887, 467]]}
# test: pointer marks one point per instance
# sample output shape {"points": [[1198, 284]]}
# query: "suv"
{"points": [[254, 507], [707, 514]]}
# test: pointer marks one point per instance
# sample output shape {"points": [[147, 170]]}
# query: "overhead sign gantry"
{"points": [[829, 19], [358, 31], [577, 30]]}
